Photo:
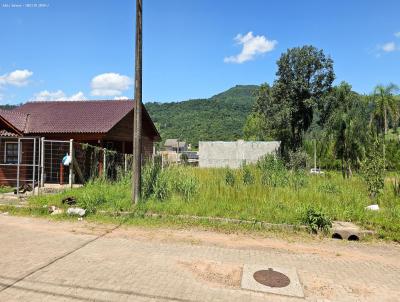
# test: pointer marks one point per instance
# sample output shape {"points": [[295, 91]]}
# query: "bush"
{"points": [[316, 220], [229, 177], [270, 163], [297, 160], [273, 171], [248, 177]]}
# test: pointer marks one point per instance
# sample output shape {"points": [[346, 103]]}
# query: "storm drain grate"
{"points": [[271, 278]]}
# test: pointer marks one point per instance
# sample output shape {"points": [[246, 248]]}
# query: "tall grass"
{"points": [[267, 192]]}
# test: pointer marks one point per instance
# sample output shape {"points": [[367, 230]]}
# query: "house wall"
{"points": [[123, 132], [233, 154], [8, 172]]}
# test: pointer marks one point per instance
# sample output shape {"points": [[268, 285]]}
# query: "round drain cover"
{"points": [[271, 278]]}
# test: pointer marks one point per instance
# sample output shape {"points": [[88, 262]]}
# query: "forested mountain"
{"points": [[8, 107], [220, 117]]}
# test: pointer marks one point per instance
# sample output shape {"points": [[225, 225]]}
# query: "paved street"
{"points": [[64, 261]]}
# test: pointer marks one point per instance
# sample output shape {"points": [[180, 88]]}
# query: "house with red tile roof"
{"points": [[107, 124]]}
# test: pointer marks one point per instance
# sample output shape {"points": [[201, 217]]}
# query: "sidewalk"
{"points": [[63, 261]]}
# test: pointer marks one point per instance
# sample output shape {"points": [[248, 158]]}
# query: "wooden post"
{"points": [[71, 166], [61, 174], [100, 169], [137, 121]]}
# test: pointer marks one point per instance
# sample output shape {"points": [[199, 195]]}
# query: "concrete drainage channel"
{"points": [[348, 231]]}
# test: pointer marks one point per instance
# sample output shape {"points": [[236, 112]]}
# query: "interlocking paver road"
{"points": [[65, 261]]}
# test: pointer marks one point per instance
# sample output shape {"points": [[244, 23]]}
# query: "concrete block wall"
{"points": [[233, 154]]}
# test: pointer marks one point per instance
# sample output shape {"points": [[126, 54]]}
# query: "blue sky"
{"points": [[72, 49]]}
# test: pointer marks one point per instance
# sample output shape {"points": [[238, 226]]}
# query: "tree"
{"points": [[385, 105], [304, 76], [346, 127], [254, 128], [272, 117]]}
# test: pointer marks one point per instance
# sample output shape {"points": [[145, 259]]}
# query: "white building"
{"points": [[233, 154]]}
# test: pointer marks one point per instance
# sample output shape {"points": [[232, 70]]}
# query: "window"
{"points": [[11, 153]]}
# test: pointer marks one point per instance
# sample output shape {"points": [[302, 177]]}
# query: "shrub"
{"points": [[270, 163], [229, 177], [273, 171], [297, 160], [248, 177], [316, 220]]}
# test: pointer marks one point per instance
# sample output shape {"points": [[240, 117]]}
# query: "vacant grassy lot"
{"points": [[250, 193]]}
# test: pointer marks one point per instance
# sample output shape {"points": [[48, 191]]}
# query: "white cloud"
{"points": [[388, 47], [16, 78], [252, 46], [110, 84], [57, 95], [119, 98], [397, 35]]}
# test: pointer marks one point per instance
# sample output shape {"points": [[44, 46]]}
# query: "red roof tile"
{"points": [[17, 120], [71, 116], [74, 116]]}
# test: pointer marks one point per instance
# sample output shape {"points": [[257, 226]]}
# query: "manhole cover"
{"points": [[271, 278]]}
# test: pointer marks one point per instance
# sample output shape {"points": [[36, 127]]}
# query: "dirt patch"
{"points": [[220, 274], [320, 288], [385, 253]]}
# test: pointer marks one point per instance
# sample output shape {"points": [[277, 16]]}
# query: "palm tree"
{"points": [[385, 104]]}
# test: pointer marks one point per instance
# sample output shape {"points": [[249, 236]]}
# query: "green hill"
{"points": [[220, 117]]}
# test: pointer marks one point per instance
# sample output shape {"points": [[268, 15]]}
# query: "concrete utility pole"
{"points": [[137, 121]]}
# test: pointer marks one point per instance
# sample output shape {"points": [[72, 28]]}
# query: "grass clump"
{"points": [[230, 177], [6, 189], [248, 177]]}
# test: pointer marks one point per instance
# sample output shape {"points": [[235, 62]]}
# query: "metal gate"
{"points": [[52, 169], [20, 163]]}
